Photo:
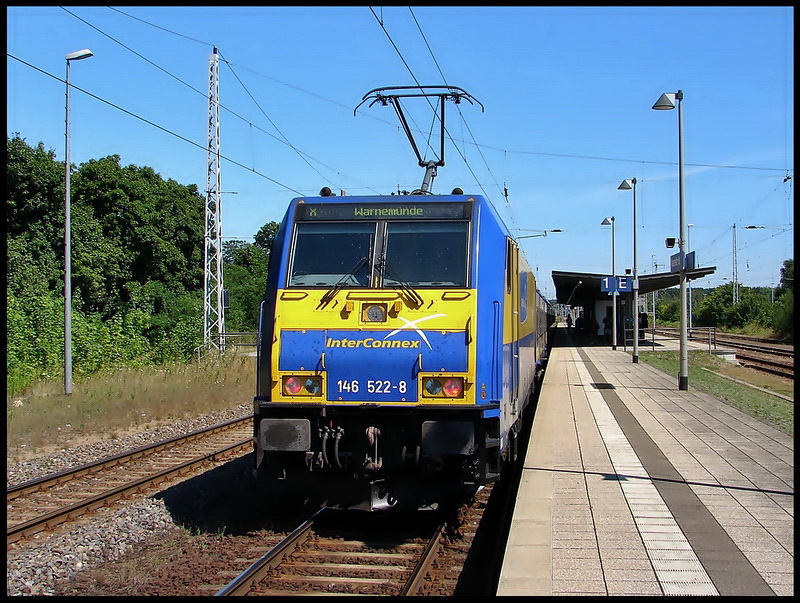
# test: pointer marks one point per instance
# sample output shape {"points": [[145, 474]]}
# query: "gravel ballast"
{"points": [[33, 567]]}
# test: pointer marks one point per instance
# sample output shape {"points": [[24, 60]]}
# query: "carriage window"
{"points": [[432, 254], [326, 254]]}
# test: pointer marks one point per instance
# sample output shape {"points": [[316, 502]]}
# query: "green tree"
{"points": [[34, 217], [751, 309], [783, 308], [787, 278], [136, 265], [718, 310], [711, 311], [245, 278], [783, 315], [151, 230], [34, 338], [34, 263], [245, 274], [229, 248], [266, 235]]}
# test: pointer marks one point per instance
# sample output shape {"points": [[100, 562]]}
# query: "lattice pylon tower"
{"points": [[213, 307]]}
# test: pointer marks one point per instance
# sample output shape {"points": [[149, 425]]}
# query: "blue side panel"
{"points": [[488, 278]]}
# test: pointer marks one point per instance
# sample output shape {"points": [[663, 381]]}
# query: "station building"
{"points": [[583, 292]]}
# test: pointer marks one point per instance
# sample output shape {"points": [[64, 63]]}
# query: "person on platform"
{"points": [[579, 324]]}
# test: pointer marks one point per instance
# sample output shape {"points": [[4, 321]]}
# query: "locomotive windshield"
{"points": [[426, 253], [430, 254], [327, 254]]}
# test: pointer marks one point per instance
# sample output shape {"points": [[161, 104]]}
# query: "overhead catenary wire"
{"points": [[151, 123], [282, 139], [463, 118], [466, 163], [479, 147]]}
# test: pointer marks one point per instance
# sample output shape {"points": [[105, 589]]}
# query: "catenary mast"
{"points": [[213, 306]]}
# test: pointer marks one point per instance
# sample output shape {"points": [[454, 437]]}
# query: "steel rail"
{"points": [[415, 581], [52, 479], [58, 516], [243, 583]]}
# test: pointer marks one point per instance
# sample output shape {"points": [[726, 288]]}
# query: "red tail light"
{"points": [[293, 385], [302, 385], [453, 388]]}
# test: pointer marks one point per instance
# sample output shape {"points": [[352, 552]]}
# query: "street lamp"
{"points": [[689, 283], [606, 222], [626, 185], [73, 56], [665, 102], [542, 233]]}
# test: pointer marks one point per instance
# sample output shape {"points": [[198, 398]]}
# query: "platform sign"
{"points": [[675, 262], [689, 263], [610, 284], [625, 283]]}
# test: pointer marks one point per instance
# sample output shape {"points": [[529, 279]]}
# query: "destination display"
{"points": [[381, 211]]}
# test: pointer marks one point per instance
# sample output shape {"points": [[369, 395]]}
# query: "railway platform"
{"points": [[632, 487]]}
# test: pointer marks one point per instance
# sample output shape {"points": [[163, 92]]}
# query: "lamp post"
{"points": [[542, 233], [689, 283], [667, 101], [655, 291], [624, 186], [73, 56], [606, 222]]}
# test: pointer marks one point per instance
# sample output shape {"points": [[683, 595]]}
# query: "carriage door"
{"points": [[513, 302]]}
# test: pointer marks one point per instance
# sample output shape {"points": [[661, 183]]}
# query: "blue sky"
{"points": [[566, 94]]}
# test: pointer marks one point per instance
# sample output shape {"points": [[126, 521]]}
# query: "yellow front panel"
{"points": [[374, 346]]}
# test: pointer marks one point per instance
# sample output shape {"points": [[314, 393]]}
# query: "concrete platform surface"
{"points": [[632, 487]]}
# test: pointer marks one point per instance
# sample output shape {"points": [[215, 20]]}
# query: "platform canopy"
{"points": [[583, 288]]}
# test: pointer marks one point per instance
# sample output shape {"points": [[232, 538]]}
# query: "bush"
{"points": [[669, 311], [718, 310], [35, 339], [783, 315], [181, 342]]}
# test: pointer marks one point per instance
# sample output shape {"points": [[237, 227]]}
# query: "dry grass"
{"points": [[44, 419]]}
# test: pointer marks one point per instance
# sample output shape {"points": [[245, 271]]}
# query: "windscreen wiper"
{"points": [[331, 293], [415, 297]]}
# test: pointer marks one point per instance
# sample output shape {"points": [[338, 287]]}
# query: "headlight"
{"points": [[373, 313], [433, 387]]}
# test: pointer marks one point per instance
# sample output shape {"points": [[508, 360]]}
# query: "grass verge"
{"points": [[774, 411], [44, 419]]}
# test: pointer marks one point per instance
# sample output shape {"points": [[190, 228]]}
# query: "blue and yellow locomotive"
{"points": [[399, 342]]}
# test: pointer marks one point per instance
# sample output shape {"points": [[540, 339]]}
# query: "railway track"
{"points": [[47, 502], [360, 555], [767, 355], [776, 358], [340, 553], [782, 367], [754, 344]]}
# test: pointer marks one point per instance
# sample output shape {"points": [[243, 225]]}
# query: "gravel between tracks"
{"points": [[32, 568]]}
